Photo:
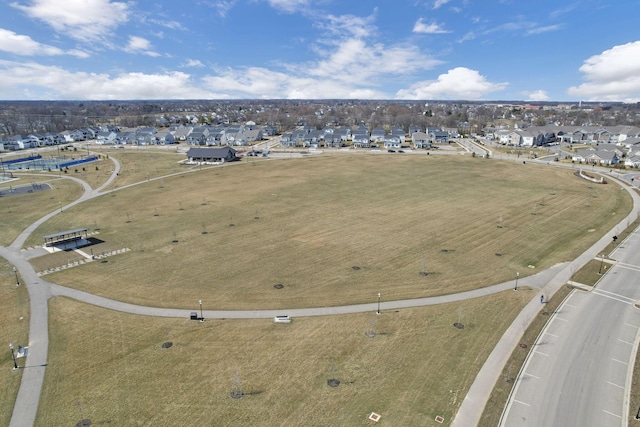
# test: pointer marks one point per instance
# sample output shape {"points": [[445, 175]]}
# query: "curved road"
{"points": [[25, 408]]}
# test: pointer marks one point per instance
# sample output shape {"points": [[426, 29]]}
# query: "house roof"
{"points": [[210, 152]]}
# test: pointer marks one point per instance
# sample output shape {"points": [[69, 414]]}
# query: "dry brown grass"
{"points": [[111, 368], [138, 165], [20, 211], [14, 303], [305, 223]]}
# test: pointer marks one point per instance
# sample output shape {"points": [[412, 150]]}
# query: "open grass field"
{"points": [[111, 368], [227, 235], [19, 211], [143, 164], [14, 304]]}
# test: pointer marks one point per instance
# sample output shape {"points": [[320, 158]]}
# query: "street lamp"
{"points": [[517, 276], [201, 316], [13, 356], [601, 262], [378, 312], [15, 271]]}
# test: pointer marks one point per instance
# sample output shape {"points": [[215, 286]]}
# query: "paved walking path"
{"points": [[25, 408]]}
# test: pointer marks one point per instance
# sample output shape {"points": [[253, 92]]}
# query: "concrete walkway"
{"points": [[25, 408]]}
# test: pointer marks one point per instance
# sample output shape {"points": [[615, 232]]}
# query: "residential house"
{"points": [[392, 141], [165, 137], [420, 140]]}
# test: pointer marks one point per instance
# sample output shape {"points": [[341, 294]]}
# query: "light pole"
{"points": [[201, 316], [15, 271], [378, 312], [601, 262], [517, 277], [13, 356]]}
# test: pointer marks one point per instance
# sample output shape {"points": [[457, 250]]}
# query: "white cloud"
{"points": [[438, 3], [538, 95], [289, 6], [433, 28], [458, 83], [24, 45], [224, 6], [613, 75], [85, 20], [547, 29], [140, 45], [257, 82], [193, 63], [357, 26], [50, 82]]}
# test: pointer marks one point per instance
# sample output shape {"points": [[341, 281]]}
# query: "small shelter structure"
{"points": [[68, 239]]}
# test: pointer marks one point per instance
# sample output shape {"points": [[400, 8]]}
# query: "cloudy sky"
{"points": [[535, 50]]}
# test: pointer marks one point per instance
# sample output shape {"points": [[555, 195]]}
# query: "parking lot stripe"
{"points": [[619, 361], [615, 385], [611, 413], [626, 342], [522, 403]]}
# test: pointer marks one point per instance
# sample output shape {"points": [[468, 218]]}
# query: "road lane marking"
{"points": [[615, 297], [522, 403], [628, 266], [615, 385], [611, 413], [626, 342], [619, 361]]}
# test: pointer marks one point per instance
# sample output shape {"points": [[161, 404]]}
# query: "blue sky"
{"points": [[533, 50]]}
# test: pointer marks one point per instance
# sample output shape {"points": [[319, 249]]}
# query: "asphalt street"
{"points": [[579, 371]]}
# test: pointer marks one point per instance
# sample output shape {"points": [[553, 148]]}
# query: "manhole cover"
{"points": [[523, 345], [236, 394], [278, 286], [84, 423], [458, 325], [167, 344], [333, 382], [355, 267]]}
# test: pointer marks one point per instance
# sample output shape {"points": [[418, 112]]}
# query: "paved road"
{"points": [[580, 369], [473, 405], [40, 291]]}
